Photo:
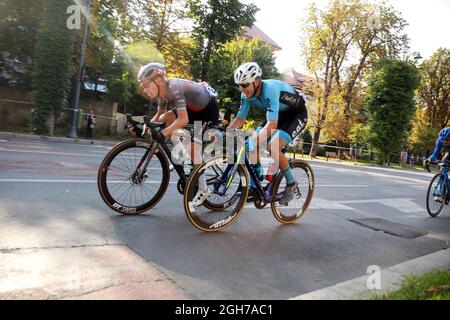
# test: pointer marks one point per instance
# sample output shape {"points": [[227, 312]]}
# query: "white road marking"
{"points": [[70, 181], [405, 205], [73, 165], [391, 177], [317, 185]]}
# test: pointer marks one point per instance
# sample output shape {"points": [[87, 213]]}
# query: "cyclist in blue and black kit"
{"points": [[286, 116], [443, 141]]}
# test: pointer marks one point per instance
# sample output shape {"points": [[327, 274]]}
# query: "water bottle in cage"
{"points": [[268, 168], [271, 171]]}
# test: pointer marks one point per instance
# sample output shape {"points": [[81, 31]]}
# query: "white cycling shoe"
{"points": [[200, 197]]}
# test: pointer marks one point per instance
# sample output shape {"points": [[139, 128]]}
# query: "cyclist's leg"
{"points": [[255, 162], [277, 142], [209, 114], [287, 131]]}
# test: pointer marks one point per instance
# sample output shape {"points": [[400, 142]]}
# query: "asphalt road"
{"points": [[49, 198]]}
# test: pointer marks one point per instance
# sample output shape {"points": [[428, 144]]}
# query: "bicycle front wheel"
{"points": [[124, 185], [218, 210], [297, 207], [436, 195]]}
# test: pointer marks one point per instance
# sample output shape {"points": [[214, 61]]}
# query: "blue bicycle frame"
{"points": [[224, 182], [444, 172]]}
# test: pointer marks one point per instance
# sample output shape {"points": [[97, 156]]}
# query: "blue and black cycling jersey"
{"points": [[437, 149], [283, 104]]}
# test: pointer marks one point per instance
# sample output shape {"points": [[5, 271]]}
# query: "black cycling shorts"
{"points": [[292, 121], [209, 113]]}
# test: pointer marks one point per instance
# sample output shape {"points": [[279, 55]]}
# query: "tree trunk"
{"points": [[207, 55], [51, 124], [315, 142], [205, 65]]}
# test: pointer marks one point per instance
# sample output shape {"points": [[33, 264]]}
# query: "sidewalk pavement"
{"points": [[103, 272], [32, 137]]}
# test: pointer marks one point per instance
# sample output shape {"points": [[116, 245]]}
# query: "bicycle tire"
{"points": [[430, 191], [277, 210], [104, 169], [208, 222]]}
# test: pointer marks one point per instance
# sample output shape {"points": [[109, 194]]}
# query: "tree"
{"points": [[52, 64], [227, 59], [342, 42], [359, 134], [390, 103], [434, 89], [423, 135], [164, 23], [216, 22], [18, 24]]}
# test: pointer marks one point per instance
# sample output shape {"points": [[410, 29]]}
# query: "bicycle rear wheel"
{"points": [[297, 207], [118, 177], [218, 211], [436, 195]]}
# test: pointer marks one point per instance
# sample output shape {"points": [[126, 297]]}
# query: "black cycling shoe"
{"points": [[252, 193]]}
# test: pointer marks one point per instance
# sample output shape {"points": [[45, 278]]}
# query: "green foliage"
{"points": [[227, 59], [359, 133], [19, 20], [215, 23], [120, 83], [159, 22], [390, 103], [434, 285], [434, 88], [423, 135], [52, 58]]}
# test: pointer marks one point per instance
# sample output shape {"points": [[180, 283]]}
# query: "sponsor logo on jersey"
{"points": [[299, 128]]}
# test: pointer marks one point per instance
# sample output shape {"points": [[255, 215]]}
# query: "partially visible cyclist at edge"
{"points": [[190, 101], [285, 111], [443, 141]]}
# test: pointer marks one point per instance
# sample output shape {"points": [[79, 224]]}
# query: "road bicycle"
{"points": [[229, 175], [438, 190], [134, 175]]}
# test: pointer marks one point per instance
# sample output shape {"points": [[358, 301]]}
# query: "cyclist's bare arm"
{"points": [[158, 114], [181, 121]]}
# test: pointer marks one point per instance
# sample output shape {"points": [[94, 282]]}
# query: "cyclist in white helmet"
{"points": [[286, 117], [190, 101]]}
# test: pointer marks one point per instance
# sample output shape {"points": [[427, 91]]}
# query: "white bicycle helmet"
{"points": [[247, 73], [149, 71]]}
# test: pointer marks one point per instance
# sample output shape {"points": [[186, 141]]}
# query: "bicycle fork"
{"points": [[138, 175]]}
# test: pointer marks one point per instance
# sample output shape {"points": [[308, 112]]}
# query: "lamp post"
{"points": [[76, 105]]}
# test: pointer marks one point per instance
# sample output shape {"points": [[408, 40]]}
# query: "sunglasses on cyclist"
{"points": [[244, 85]]}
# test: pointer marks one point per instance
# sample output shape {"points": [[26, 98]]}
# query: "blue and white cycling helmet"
{"points": [[247, 73], [445, 134]]}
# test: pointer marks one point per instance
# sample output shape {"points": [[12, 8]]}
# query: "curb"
{"points": [[390, 278], [10, 135]]}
